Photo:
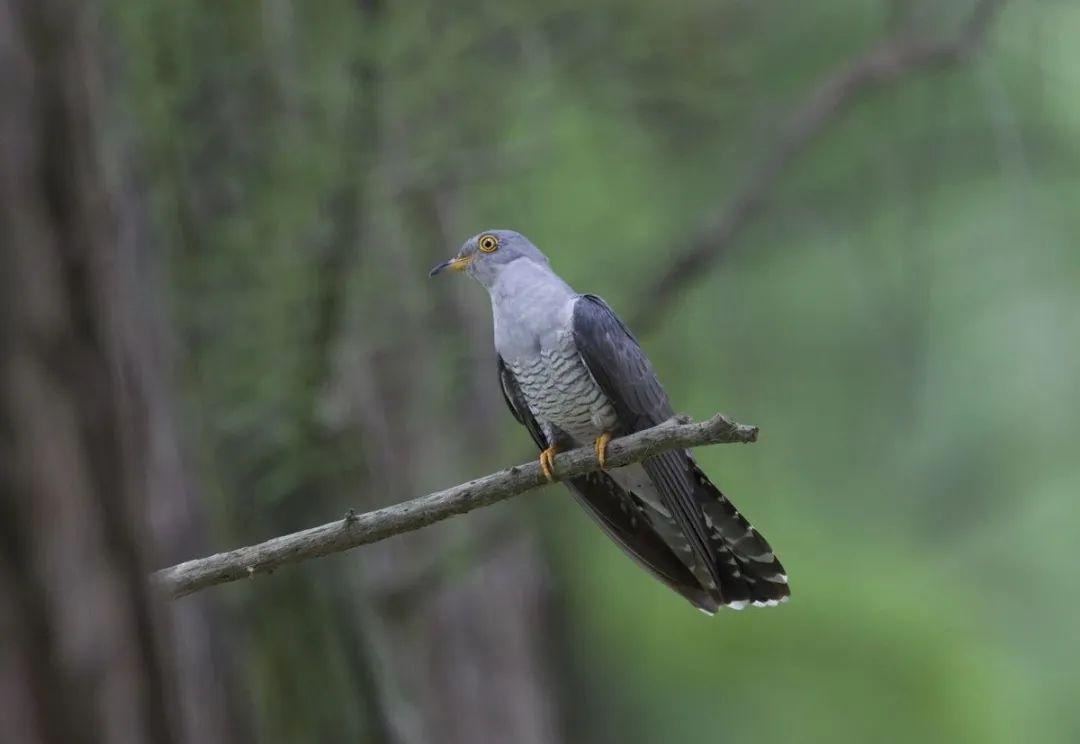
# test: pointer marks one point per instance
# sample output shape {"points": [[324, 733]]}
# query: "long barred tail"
{"points": [[749, 570]]}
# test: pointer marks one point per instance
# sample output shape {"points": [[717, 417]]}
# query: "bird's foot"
{"points": [[547, 462], [601, 448]]}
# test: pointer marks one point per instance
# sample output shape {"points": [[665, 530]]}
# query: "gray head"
{"points": [[486, 254]]}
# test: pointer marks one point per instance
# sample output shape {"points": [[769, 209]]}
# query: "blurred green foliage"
{"points": [[903, 323]]}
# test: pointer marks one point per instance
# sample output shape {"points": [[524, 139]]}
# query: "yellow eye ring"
{"points": [[487, 243]]}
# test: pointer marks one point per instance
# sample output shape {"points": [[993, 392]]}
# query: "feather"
{"points": [[620, 514], [739, 563]]}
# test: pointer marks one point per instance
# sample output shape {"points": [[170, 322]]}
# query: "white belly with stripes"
{"points": [[560, 391]]}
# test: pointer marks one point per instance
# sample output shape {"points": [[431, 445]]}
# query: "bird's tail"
{"points": [[748, 569]]}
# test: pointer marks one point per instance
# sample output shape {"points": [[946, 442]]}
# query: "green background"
{"points": [[901, 320]]}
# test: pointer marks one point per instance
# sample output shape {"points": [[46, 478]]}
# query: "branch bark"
{"points": [[886, 63], [360, 529]]}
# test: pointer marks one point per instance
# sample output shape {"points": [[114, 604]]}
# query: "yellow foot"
{"points": [[601, 449], [547, 462]]}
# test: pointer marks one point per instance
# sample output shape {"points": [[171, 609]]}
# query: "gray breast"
{"points": [[560, 390], [533, 311]]}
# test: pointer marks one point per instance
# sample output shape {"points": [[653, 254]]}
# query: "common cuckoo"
{"points": [[573, 375]]}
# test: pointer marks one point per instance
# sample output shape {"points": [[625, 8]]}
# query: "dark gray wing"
{"points": [[619, 513], [740, 562]]}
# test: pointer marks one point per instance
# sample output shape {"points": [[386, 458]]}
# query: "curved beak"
{"points": [[458, 263]]}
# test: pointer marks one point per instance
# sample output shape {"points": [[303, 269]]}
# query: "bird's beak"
{"points": [[458, 263]]}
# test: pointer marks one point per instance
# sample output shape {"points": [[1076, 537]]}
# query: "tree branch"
{"points": [[887, 62], [360, 529]]}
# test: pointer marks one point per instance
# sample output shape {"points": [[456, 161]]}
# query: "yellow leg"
{"points": [[547, 462], [601, 449]]}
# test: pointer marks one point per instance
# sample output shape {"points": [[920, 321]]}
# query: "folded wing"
{"points": [[740, 567]]}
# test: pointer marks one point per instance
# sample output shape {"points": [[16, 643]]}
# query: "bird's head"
{"points": [[485, 255]]}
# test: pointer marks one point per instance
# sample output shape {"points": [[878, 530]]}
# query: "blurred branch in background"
{"points": [[888, 62], [355, 530]]}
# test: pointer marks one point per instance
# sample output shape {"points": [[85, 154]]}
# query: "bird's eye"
{"points": [[487, 243]]}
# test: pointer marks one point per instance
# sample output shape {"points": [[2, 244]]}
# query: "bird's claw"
{"points": [[601, 449], [547, 462]]}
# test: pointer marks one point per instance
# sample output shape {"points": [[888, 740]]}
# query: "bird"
{"points": [[573, 375]]}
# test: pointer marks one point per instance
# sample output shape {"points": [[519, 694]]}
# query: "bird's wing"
{"points": [[619, 513], [740, 564]]}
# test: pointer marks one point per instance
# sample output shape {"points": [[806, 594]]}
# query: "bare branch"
{"points": [[360, 529], [888, 62]]}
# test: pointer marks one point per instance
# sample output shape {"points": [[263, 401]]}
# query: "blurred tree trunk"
{"points": [[81, 640], [456, 618], [458, 615], [85, 421], [204, 636]]}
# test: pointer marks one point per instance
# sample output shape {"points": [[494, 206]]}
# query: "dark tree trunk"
{"points": [[203, 636], [85, 430]]}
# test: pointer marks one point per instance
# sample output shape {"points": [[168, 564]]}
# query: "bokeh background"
{"points": [[884, 199]]}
